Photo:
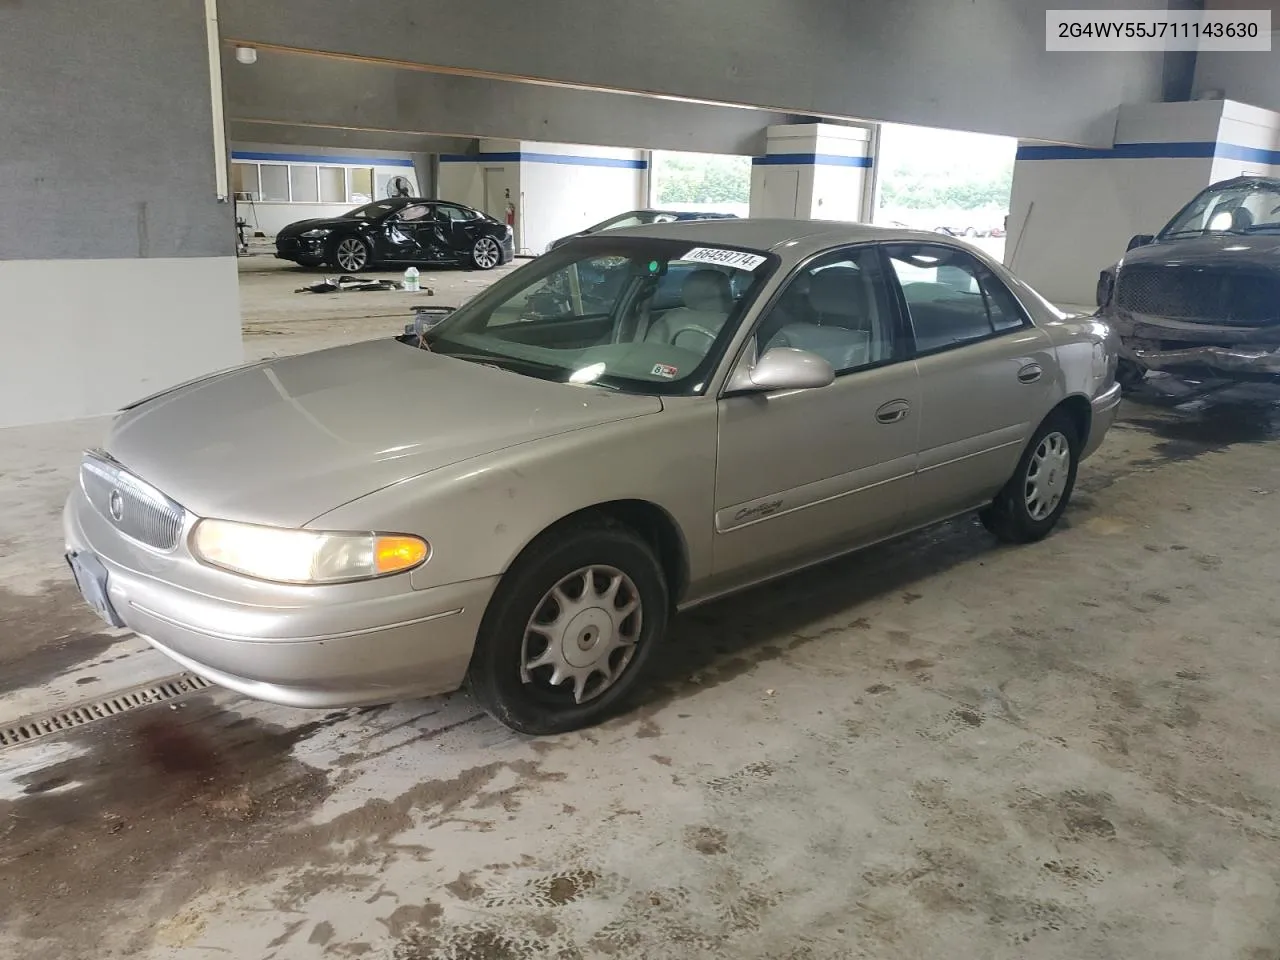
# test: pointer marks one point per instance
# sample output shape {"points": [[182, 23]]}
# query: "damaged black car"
{"points": [[1200, 300], [397, 232]]}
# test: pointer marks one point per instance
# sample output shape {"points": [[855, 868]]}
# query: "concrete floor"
{"points": [[939, 747]]}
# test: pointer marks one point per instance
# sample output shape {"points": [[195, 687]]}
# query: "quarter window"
{"points": [[838, 308], [952, 299]]}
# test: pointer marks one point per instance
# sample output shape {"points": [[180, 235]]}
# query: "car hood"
{"points": [[284, 441], [1231, 250], [301, 226]]}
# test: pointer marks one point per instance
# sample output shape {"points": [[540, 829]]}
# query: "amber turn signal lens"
{"points": [[391, 554]]}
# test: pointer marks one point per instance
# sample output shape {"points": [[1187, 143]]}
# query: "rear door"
{"points": [[986, 376]]}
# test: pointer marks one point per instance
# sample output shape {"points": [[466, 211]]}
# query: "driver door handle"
{"points": [[1030, 373], [893, 411]]}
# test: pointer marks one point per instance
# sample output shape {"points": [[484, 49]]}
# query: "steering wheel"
{"points": [[699, 333]]}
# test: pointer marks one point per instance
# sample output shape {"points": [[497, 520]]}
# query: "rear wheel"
{"points": [[485, 253], [350, 254], [1038, 492], [570, 630]]}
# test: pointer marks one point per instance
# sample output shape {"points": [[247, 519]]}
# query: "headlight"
{"points": [[318, 233], [1106, 284], [305, 556]]}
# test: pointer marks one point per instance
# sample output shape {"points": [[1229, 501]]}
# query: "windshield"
{"points": [[640, 315], [371, 211], [1244, 208]]}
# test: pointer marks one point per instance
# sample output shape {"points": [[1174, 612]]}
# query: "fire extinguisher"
{"points": [[511, 212]]}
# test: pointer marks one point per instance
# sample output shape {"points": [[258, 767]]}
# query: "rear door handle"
{"points": [[893, 411], [1030, 373]]}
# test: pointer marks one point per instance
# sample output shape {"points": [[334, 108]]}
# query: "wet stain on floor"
{"points": [[1186, 434], [44, 635]]}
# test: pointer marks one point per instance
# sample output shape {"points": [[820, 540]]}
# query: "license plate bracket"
{"points": [[91, 579]]}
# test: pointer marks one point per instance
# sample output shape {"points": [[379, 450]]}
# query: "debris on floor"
{"points": [[348, 284]]}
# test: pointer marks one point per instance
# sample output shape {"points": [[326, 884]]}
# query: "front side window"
{"points": [[371, 211], [638, 315], [415, 211], [951, 298], [839, 308]]}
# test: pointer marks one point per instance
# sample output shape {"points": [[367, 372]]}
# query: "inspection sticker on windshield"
{"points": [[664, 370], [738, 259]]}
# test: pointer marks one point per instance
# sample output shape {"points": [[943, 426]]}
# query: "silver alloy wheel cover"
{"points": [[592, 634], [487, 253], [352, 255], [1047, 475]]}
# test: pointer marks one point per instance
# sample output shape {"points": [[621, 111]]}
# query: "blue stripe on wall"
{"points": [[809, 160], [519, 156], [319, 158], [1182, 150]]}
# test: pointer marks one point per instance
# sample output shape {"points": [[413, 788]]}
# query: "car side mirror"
{"points": [[1141, 240], [782, 368]]}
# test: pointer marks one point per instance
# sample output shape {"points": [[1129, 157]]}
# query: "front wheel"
{"points": [[350, 254], [1038, 492], [570, 629], [486, 254]]}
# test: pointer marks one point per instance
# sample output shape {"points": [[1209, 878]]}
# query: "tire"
{"points": [[1011, 516], [357, 254], [525, 598], [486, 253]]}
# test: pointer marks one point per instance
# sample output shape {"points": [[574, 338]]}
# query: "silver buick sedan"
{"points": [[521, 494]]}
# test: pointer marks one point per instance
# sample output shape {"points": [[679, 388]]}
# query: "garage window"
{"points": [[360, 185], [275, 181], [303, 186], [952, 299], [245, 182], [333, 185]]}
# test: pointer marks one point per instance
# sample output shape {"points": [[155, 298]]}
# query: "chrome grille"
{"points": [[132, 506], [1185, 293]]}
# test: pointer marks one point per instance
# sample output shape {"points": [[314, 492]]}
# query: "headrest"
{"points": [[838, 291], [707, 290]]}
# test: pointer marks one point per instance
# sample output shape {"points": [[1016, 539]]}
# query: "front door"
{"points": [[805, 473], [985, 376], [401, 236]]}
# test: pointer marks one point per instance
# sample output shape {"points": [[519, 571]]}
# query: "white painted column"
{"points": [[1073, 209], [814, 171], [557, 188]]}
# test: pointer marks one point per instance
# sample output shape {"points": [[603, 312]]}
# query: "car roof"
{"points": [[1245, 179], [773, 235]]}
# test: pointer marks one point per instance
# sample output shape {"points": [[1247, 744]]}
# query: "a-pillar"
{"points": [[117, 253], [553, 189], [1073, 210], [817, 171]]}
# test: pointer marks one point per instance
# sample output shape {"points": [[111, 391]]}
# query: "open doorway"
{"points": [[704, 182], [948, 181]]}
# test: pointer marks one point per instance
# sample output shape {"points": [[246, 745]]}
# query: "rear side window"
{"points": [[952, 299]]}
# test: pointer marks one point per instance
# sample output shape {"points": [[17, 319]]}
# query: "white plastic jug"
{"points": [[411, 280]]}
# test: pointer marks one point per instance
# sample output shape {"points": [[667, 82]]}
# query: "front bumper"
{"points": [[300, 249], [1193, 348], [508, 249], [1106, 406], [378, 643]]}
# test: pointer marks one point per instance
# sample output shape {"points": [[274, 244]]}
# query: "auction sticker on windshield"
{"points": [[739, 259]]}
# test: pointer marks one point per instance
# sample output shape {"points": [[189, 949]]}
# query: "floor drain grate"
{"points": [[158, 691]]}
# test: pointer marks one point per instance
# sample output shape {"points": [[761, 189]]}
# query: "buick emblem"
{"points": [[115, 506]]}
